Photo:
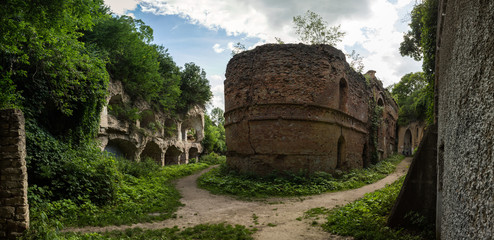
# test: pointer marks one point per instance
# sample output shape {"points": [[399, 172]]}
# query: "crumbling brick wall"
{"points": [[295, 107], [14, 209]]}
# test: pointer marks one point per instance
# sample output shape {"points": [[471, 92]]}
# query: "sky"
{"points": [[204, 31]]}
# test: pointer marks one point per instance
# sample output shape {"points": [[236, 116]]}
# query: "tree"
{"points": [[238, 48], [411, 95], [420, 43], [217, 116], [356, 61], [42, 60], [214, 137], [312, 29], [194, 86]]}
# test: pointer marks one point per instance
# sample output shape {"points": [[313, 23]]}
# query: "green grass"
{"points": [[366, 218], [219, 231], [223, 180], [144, 193]]}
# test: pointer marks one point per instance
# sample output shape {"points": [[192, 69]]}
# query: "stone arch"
{"points": [[407, 143], [121, 148], [380, 102], [343, 92], [153, 151], [116, 100], [341, 152], [193, 153], [172, 156], [147, 117]]}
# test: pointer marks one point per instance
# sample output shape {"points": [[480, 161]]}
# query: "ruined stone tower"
{"points": [[294, 107]]}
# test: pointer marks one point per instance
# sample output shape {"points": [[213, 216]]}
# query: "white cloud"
{"points": [[217, 48], [121, 7], [368, 24], [217, 89]]}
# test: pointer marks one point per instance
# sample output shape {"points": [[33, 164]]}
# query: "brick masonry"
{"points": [[14, 209], [295, 107]]}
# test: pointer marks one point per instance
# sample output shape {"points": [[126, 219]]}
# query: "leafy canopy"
{"points": [[312, 29], [411, 95], [420, 43]]}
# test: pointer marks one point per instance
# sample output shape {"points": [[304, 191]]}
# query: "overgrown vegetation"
{"points": [[366, 218], [219, 231], [420, 44], [411, 94], [214, 132], [224, 180]]}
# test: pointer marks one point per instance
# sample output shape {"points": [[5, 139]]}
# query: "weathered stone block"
{"points": [[7, 212]]}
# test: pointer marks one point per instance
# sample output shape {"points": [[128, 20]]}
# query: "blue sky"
{"points": [[204, 31]]}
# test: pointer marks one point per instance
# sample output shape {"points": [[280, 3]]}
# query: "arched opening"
{"points": [[172, 156], [116, 107], [121, 148], [380, 102], [193, 154], [407, 143], [153, 151], [365, 157], [148, 120], [341, 153], [343, 94]]}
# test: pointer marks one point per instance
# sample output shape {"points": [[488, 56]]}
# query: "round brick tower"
{"points": [[294, 107]]}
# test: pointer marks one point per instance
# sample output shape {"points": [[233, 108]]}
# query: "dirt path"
{"points": [[280, 213]]}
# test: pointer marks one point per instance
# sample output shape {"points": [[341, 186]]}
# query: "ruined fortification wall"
{"points": [[14, 209], [294, 107], [466, 120], [409, 137], [165, 139]]}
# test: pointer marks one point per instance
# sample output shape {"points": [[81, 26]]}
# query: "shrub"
{"points": [[224, 180], [66, 172], [366, 218]]}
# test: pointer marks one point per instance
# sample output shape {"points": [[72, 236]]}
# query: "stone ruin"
{"points": [[294, 107], [165, 139]]}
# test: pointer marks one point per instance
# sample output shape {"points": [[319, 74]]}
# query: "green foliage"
{"points": [[411, 94], [223, 180], [213, 159], [356, 61], [312, 29], [366, 218], [62, 81], [194, 86], [145, 193], [66, 172], [217, 116], [220, 231], [420, 43], [214, 136], [124, 112]]}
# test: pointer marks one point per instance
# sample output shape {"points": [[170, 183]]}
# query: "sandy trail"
{"points": [[204, 207]]}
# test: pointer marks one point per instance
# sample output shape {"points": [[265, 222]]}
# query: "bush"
{"points": [[213, 159], [66, 172], [366, 218], [224, 180]]}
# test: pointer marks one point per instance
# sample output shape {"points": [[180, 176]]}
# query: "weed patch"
{"points": [[223, 180], [220, 231], [366, 218]]}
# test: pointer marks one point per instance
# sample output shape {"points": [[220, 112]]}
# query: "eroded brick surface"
{"points": [[294, 107]]}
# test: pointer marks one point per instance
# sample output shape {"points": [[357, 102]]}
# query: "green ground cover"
{"points": [[223, 180]]}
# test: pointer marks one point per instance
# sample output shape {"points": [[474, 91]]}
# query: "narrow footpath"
{"points": [[276, 217]]}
